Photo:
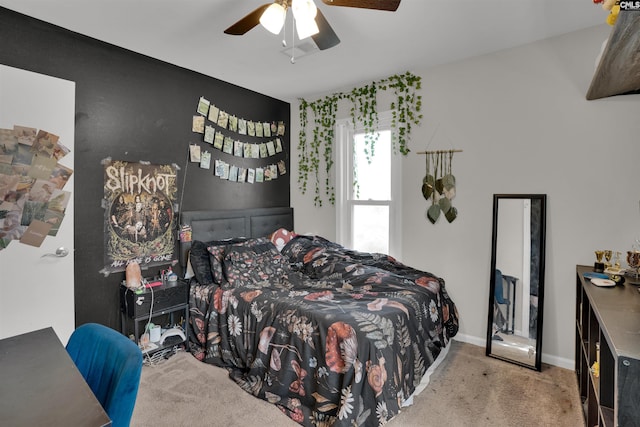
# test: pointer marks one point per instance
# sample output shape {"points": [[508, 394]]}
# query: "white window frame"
{"points": [[345, 132]]}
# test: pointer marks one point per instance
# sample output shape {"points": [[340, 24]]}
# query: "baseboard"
{"points": [[561, 362], [469, 339]]}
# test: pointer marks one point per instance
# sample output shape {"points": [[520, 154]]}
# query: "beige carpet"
{"points": [[468, 389]]}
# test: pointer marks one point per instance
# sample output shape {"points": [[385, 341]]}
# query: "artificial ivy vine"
{"points": [[405, 107]]}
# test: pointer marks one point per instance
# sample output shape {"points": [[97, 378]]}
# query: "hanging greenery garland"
{"points": [[405, 107]]}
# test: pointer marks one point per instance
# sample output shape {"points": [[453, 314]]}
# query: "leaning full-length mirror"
{"points": [[514, 332]]}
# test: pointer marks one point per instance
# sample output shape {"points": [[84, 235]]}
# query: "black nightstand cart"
{"points": [[169, 298]]}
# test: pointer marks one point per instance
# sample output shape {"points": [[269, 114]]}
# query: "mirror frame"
{"points": [[541, 271]]}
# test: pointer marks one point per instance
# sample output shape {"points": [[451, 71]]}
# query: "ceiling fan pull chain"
{"points": [[293, 40], [284, 35]]}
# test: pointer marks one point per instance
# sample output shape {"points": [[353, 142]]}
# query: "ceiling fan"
{"points": [[308, 18]]}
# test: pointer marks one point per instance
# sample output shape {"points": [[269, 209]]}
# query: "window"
{"points": [[368, 190]]}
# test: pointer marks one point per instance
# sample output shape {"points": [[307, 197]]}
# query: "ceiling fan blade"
{"points": [[248, 22], [390, 5], [326, 37]]}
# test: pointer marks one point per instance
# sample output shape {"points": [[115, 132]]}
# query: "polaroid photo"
{"points": [[213, 113], [228, 145], [278, 145], [274, 128], [33, 211], [55, 219], [248, 150], [60, 175], [42, 167], [194, 153], [24, 155], [259, 175], [233, 123], [282, 167], [233, 174], [280, 128], [198, 124], [218, 168], [267, 173], [237, 148], [251, 176], [205, 160], [274, 171], [225, 171], [242, 174], [41, 191], [203, 106], [25, 135], [35, 233], [266, 129], [8, 141], [60, 151], [218, 141], [251, 128], [263, 150], [8, 184], [223, 119], [209, 134], [255, 151], [45, 143], [59, 200], [242, 126], [259, 130], [271, 148]]}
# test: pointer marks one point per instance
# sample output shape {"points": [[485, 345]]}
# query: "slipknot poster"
{"points": [[139, 220]]}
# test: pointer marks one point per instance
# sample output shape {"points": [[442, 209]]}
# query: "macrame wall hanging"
{"points": [[439, 184]]}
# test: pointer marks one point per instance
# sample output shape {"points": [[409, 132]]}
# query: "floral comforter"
{"points": [[329, 335]]}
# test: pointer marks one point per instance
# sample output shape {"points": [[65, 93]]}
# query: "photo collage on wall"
{"points": [[227, 137], [32, 195], [139, 201]]}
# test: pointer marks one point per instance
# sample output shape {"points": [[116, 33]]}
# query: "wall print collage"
{"points": [[32, 196]]}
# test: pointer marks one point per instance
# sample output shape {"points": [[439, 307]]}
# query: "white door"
{"points": [[36, 290]]}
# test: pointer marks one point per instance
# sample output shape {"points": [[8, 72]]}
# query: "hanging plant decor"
{"points": [[439, 185], [405, 108]]}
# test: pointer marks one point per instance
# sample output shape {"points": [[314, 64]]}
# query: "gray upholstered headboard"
{"points": [[224, 224]]}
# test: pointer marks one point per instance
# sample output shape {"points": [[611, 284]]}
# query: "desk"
{"points": [[40, 384]]}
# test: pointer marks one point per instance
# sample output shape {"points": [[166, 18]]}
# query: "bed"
{"points": [[330, 335]]}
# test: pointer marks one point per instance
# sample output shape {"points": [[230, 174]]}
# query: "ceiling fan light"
{"points": [[306, 28], [273, 18], [304, 9]]}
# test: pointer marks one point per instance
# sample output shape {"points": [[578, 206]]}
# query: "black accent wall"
{"points": [[132, 107]]}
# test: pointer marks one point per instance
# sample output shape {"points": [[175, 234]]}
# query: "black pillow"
{"points": [[199, 258]]}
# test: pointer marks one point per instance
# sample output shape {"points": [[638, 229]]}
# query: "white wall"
{"points": [[521, 118]]}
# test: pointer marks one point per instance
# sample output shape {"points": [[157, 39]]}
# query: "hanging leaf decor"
{"points": [[428, 181], [439, 185]]}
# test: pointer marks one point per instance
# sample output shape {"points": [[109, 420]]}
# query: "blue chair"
{"points": [[509, 301], [111, 364]]}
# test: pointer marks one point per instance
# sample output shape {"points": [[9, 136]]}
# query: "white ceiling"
{"points": [[374, 44]]}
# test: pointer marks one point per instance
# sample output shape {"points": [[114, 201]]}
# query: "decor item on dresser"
{"points": [[330, 335], [607, 350], [514, 329]]}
